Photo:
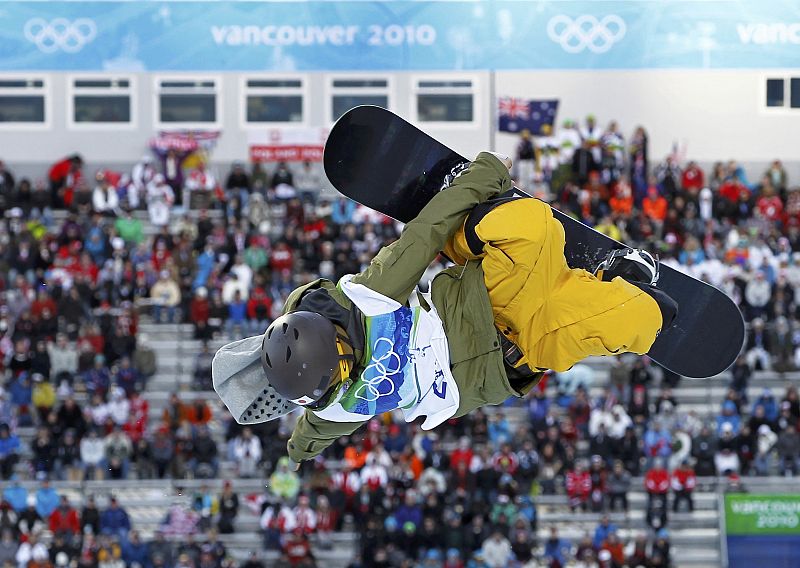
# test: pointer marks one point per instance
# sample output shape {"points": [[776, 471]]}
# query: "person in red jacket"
{"points": [[43, 301], [732, 189], [64, 520], [656, 482], [313, 226], [327, 517], [769, 204], [463, 453], [259, 306], [505, 461], [281, 258], [579, 486], [64, 176], [616, 548], [137, 420], [305, 517], [200, 312], [597, 474], [684, 481], [297, 548], [693, 179]]}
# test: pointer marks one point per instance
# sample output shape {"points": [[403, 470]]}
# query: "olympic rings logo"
{"points": [[586, 32], [60, 34], [386, 365]]}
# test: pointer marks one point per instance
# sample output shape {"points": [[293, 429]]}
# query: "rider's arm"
{"points": [[397, 268], [313, 434]]}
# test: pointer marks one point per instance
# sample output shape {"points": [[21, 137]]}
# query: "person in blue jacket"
{"points": [[730, 415], [556, 549], [115, 521], [20, 393], [47, 499], [16, 495], [136, 552], [767, 400], [605, 528]]}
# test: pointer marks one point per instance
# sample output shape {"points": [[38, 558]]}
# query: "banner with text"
{"points": [[762, 530], [293, 144], [397, 35]]}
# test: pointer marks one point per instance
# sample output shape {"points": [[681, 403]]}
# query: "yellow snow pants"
{"points": [[557, 316]]}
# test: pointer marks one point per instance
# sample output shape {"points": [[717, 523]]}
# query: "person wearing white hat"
{"points": [[104, 197], [30, 521], [765, 444], [142, 174], [160, 199], [726, 460], [31, 550], [119, 407]]}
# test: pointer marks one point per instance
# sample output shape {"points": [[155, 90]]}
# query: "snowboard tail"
{"points": [[378, 159]]}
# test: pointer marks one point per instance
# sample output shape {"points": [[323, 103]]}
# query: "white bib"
{"points": [[408, 363]]}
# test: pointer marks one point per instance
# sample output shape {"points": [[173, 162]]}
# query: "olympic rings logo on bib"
{"points": [[382, 367], [60, 34], [586, 32]]}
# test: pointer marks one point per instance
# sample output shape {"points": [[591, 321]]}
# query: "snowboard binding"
{"points": [[455, 171], [633, 265]]}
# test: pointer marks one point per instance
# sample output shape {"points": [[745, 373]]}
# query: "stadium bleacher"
{"points": [[368, 530]]}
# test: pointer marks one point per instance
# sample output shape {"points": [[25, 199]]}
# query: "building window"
{"points": [[22, 101], [794, 90], [349, 93], [187, 101], [101, 101], [783, 92], [775, 88], [274, 100], [445, 101]]}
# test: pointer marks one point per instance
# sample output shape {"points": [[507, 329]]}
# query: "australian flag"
{"points": [[516, 115]]}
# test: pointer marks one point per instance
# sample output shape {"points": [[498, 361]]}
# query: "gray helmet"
{"points": [[299, 357]]}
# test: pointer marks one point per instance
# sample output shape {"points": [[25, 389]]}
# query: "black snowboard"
{"points": [[378, 159]]}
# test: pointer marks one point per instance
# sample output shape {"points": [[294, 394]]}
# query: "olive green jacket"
{"points": [[459, 294]]}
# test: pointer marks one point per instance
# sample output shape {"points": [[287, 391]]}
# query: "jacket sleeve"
{"points": [[397, 268], [313, 434]]}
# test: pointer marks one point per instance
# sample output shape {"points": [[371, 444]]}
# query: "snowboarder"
{"points": [[487, 330]]}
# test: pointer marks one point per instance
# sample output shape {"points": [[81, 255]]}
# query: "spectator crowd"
{"points": [[84, 260]]}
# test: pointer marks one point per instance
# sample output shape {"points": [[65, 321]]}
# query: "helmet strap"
{"points": [[346, 358]]}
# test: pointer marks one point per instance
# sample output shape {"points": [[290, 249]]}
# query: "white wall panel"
{"points": [[717, 115]]}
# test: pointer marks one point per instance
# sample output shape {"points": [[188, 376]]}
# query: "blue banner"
{"points": [[775, 551], [398, 35]]}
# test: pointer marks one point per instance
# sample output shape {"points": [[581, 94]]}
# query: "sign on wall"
{"points": [[291, 144], [762, 514], [762, 530], [397, 35]]}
